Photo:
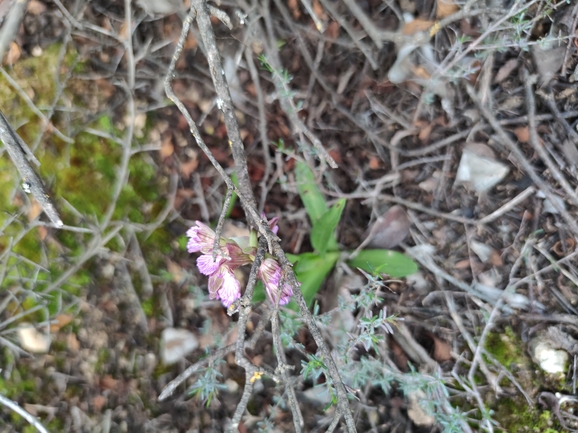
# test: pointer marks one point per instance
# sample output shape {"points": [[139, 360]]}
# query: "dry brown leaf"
{"points": [[35, 7], [34, 210], [425, 132], [496, 258], [167, 147], [390, 229], [191, 42], [462, 264], [332, 30], [417, 25], [442, 350], [522, 133], [374, 163], [72, 342], [98, 402], [13, 54], [505, 71], [189, 167], [60, 322], [445, 8], [420, 72], [319, 11], [294, 8], [108, 382]]}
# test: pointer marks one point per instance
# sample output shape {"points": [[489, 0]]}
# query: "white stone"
{"points": [[176, 344], [32, 340], [549, 359]]}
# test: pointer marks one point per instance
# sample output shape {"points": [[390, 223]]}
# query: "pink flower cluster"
{"points": [[229, 256]]}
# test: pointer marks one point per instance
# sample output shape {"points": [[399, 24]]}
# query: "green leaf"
{"points": [[388, 262], [311, 270], [323, 231], [259, 292], [310, 194]]}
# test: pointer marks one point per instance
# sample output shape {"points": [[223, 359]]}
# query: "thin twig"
{"points": [[11, 25], [521, 159], [24, 414], [507, 207], [529, 81], [355, 37], [31, 181]]}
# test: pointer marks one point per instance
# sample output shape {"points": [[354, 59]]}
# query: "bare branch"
{"points": [[31, 181]]}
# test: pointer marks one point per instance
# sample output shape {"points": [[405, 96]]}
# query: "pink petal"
{"points": [[230, 290], [206, 264], [201, 238]]}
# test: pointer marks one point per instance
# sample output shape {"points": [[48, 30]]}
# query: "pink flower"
{"points": [[270, 273], [206, 264], [229, 256], [201, 238], [224, 286], [222, 282], [272, 223]]}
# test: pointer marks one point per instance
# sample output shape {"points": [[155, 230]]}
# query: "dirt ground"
{"points": [[453, 129]]}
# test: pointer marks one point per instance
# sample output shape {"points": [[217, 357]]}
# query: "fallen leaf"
{"points": [[484, 252], [13, 54], [569, 246], [424, 133], [570, 151], [415, 26], [462, 264], [98, 402], [108, 382], [479, 169], [416, 410], [34, 210], [167, 147], [548, 60], [390, 229], [522, 133], [294, 8], [60, 322], [505, 71], [35, 7], [445, 8], [187, 168], [442, 350], [332, 30], [374, 163], [319, 11]]}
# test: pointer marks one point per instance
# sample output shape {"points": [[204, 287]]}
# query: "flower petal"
{"points": [[270, 273], [206, 264], [230, 290], [201, 238], [224, 286]]}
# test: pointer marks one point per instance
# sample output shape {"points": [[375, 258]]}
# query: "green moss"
{"points": [[507, 348], [515, 415], [148, 306]]}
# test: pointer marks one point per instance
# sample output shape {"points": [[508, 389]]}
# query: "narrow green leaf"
{"points": [[323, 230], [388, 262], [310, 194]]}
